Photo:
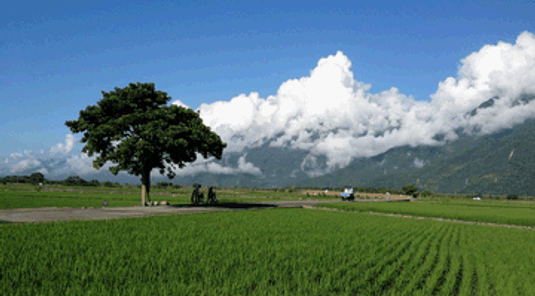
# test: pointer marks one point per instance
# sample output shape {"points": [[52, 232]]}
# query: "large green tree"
{"points": [[37, 178], [134, 128]]}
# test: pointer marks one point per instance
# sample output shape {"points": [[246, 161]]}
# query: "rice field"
{"points": [[265, 252], [17, 196], [502, 212]]}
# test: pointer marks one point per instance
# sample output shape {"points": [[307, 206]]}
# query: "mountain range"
{"points": [[499, 163]]}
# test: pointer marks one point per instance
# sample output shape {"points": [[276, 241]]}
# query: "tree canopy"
{"points": [[409, 189], [134, 128]]}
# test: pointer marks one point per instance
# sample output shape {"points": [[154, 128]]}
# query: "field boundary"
{"points": [[423, 218]]}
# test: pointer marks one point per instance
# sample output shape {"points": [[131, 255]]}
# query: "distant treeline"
{"points": [[37, 178], [355, 189]]}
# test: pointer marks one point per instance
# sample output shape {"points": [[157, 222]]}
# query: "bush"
{"points": [[426, 193], [512, 197], [110, 184], [409, 189]]}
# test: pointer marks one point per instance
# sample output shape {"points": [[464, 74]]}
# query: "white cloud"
{"points": [[6, 160], [63, 149], [180, 104], [210, 166], [24, 164], [419, 163], [331, 114], [83, 164], [247, 167], [15, 155], [43, 171]]}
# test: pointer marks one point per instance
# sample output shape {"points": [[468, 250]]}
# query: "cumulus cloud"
{"points": [[180, 104], [247, 167], [419, 163], [24, 164], [16, 155], [63, 149], [330, 114], [43, 171], [210, 166], [83, 164]]}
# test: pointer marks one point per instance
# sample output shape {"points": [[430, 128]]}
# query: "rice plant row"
{"points": [[267, 252], [491, 212]]}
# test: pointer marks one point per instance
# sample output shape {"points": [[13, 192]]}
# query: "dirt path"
{"points": [[63, 214]]}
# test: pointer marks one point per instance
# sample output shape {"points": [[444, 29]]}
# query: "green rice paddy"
{"points": [[265, 252], [16, 196], [501, 212]]}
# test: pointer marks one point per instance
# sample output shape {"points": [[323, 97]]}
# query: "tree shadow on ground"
{"points": [[228, 205]]}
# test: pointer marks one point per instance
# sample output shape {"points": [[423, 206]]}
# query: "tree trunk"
{"points": [[145, 188]]}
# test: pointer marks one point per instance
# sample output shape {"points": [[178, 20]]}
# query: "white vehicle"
{"points": [[348, 194]]}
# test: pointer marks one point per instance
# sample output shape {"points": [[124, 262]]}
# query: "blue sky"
{"points": [[56, 57]]}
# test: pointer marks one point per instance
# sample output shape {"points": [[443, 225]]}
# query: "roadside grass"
{"points": [[502, 212], [265, 252]]}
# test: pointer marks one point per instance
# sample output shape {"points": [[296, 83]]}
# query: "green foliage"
{"points": [[512, 197], [111, 184], [165, 185], [94, 183], [426, 193], [133, 128], [74, 180], [409, 189], [37, 178]]}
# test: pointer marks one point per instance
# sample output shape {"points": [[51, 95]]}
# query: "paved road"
{"points": [[61, 214]]}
